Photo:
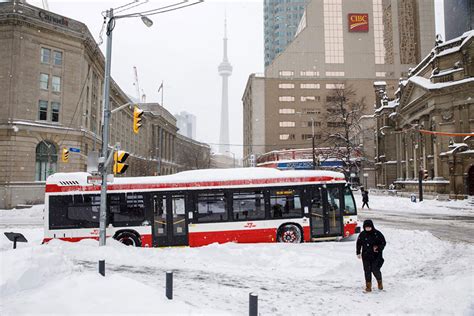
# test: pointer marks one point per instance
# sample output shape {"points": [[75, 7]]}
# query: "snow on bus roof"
{"points": [[202, 175]]}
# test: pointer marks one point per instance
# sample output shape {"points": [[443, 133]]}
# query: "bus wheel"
{"points": [[128, 239], [290, 234]]}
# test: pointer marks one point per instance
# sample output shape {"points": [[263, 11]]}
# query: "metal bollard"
{"points": [[169, 285], [102, 267], [253, 304]]}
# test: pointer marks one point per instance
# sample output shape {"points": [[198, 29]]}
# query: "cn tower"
{"points": [[225, 70]]}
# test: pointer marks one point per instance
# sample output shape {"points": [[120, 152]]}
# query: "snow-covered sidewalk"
{"points": [[422, 275]]}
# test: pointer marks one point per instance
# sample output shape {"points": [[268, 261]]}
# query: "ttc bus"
{"points": [[196, 208]]}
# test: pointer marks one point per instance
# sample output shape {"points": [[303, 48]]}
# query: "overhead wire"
{"points": [[160, 10]]}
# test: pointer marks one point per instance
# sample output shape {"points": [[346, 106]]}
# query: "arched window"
{"points": [[46, 160]]}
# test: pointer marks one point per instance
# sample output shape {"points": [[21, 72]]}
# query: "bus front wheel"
{"points": [[128, 239], [290, 233]]}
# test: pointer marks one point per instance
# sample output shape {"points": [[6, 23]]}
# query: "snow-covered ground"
{"points": [[422, 274]]}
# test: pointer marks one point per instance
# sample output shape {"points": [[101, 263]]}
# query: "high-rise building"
{"points": [[458, 17], [225, 71], [281, 20], [186, 122], [338, 44]]}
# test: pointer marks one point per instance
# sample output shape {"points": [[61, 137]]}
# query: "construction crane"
{"points": [[142, 97]]}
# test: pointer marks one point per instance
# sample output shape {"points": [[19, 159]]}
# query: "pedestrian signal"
{"points": [[65, 155], [137, 119], [119, 162]]}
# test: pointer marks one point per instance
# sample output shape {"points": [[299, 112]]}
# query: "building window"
{"points": [[287, 124], [333, 35], [333, 86], [55, 111], [56, 83], [58, 58], [286, 99], [310, 86], [43, 110], [335, 73], [335, 124], [311, 111], [286, 86], [45, 55], [310, 124], [287, 136], [309, 73], [310, 98], [46, 160], [380, 74], [378, 32], [286, 73], [44, 81], [286, 111]]}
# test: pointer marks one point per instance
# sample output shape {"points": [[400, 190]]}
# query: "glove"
{"points": [[359, 256]]}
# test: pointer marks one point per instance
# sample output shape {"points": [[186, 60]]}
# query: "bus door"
{"points": [[325, 212], [170, 223]]}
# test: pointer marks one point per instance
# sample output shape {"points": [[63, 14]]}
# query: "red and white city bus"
{"points": [[201, 207]]}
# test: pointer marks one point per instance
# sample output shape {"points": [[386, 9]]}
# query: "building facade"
{"points": [[52, 78], [281, 20], [339, 45], [458, 17], [191, 154], [429, 125], [186, 123]]}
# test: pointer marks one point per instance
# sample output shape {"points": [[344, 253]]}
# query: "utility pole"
{"points": [[103, 161], [312, 148]]}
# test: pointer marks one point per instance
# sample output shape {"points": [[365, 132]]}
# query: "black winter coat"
{"points": [[367, 241], [365, 197]]}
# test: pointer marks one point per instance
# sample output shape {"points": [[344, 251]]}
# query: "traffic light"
{"points": [[65, 155], [119, 162], [425, 174], [137, 119]]}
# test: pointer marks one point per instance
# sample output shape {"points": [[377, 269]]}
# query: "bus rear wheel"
{"points": [[128, 239], [290, 233]]}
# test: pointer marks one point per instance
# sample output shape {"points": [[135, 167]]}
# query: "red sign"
{"points": [[358, 22]]}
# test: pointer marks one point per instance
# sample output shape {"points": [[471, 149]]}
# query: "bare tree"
{"points": [[344, 111]]}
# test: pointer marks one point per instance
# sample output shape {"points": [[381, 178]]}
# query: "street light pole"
{"points": [[313, 150], [105, 131]]}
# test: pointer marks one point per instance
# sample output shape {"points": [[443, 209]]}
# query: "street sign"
{"points": [[95, 179], [75, 150]]}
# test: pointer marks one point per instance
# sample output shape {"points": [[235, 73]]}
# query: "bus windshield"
{"points": [[349, 205]]}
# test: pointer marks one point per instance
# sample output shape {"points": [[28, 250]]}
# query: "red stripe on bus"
{"points": [[57, 188], [239, 236], [146, 239]]}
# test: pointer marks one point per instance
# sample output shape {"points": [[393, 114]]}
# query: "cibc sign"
{"points": [[358, 22]]}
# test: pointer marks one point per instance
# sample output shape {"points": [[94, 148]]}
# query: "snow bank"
{"points": [[422, 275]]}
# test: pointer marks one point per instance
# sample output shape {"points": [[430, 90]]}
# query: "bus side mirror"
{"points": [[306, 210]]}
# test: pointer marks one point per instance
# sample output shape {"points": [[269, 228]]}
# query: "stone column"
{"points": [[415, 160], [435, 158], [399, 149], [407, 158]]}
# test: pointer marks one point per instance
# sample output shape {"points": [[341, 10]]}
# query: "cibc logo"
{"points": [[358, 22]]}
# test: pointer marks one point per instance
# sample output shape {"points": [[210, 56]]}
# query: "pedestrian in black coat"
{"points": [[369, 248], [365, 198]]}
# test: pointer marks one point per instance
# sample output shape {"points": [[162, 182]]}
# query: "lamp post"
{"points": [[313, 150], [105, 158]]}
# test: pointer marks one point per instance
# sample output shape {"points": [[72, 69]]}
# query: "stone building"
{"points": [[51, 78], [339, 44], [191, 154], [430, 123]]}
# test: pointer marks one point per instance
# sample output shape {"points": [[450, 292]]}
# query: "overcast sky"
{"points": [[183, 48]]}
